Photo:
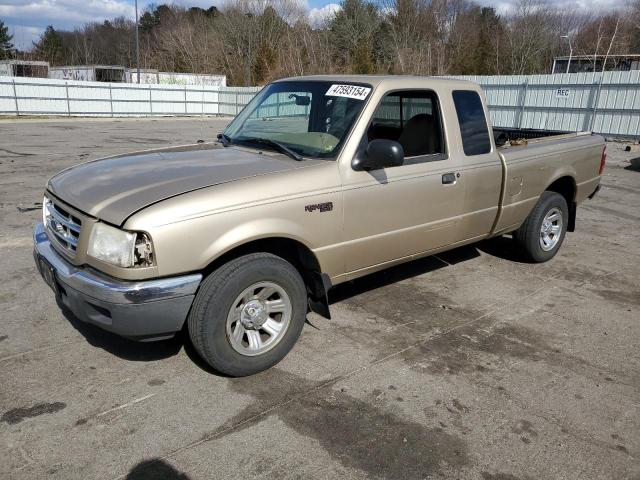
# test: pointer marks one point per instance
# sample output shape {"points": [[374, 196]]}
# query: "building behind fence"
{"points": [[606, 103]]}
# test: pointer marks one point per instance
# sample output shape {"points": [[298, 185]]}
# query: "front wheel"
{"points": [[542, 233], [248, 314]]}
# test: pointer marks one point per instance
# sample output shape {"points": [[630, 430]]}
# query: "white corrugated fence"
{"points": [[606, 103], [39, 96]]}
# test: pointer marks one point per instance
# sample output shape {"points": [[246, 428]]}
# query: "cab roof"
{"points": [[389, 81]]}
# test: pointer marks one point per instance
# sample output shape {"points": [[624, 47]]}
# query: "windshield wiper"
{"points": [[276, 146]]}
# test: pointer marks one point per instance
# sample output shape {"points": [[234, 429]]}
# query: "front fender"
{"points": [[249, 231]]}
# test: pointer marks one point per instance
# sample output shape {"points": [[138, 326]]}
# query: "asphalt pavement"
{"points": [[472, 364]]}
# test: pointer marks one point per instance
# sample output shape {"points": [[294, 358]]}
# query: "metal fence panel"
{"points": [[606, 103], [32, 96]]}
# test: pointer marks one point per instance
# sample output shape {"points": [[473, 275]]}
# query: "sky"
{"points": [[27, 19]]}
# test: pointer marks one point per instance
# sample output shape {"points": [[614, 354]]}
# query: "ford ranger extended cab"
{"points": [[319, 180]]}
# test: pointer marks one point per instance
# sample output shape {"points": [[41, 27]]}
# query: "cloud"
{"points": [[23, 36], [27, 19], [587, 6], [318, 17]]}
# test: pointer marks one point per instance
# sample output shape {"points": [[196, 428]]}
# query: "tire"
{"points": [[551, 207], [235, 301]]}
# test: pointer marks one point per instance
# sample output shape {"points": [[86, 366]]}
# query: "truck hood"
{"points": [[114, 188]]}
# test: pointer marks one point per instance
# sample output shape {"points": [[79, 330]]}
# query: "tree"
{"points": [[474, 40], [353, 31], [533, 26], [634, 35], [50, 47], [148, 22], [255, 41], [7, 50]]}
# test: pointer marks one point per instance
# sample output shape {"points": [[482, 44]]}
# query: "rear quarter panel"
{"points": [[533, 168]]}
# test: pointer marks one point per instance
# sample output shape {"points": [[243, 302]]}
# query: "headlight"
{"points": [[118, 247]]}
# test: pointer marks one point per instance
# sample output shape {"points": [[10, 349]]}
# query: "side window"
{"points": [[473, 124], [411, 118], [388, 113], [416, 106]]}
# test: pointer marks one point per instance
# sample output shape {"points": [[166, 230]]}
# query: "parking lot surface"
{"points": [[471, 364]]}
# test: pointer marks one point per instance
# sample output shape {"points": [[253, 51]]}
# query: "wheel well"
{"points": [[296, 253], [566, 186]]}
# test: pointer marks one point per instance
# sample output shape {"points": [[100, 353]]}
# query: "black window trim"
{"points": [[416, 159], [486, 123]]}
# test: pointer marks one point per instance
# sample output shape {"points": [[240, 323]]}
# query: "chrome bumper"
{"points": [[147, 309]]}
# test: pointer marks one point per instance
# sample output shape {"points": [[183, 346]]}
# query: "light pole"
{"points": [[137, 44], [570, 50]]}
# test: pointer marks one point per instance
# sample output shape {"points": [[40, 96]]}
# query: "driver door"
{"points": [[394, 213]]}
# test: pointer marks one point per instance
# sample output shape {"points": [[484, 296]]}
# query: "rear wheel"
{"points": [[542, 233], [248, 314]]}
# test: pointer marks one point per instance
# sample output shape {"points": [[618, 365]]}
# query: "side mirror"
{"points": [[380, 153]]}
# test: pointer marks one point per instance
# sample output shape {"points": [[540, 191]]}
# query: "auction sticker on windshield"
{"points": [[349, 91]]}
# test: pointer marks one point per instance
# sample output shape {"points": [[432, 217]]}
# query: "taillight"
{"points": [[603, 160]]}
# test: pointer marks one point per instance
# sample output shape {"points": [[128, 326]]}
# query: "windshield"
{"points": [[311, 118]]}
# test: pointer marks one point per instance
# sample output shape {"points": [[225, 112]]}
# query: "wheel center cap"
{"points": [[546, 226], [254, 314]]}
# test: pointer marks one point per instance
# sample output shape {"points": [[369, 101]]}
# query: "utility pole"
{"points": [[570, 49], [137, 44]]}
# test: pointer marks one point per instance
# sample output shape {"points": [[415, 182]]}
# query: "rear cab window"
{"points": [[473, 123]]}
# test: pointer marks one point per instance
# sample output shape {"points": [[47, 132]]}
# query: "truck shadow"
{"points": [[634, 165], [401, 272], [155, 469], [502, 247], [122, 347]]}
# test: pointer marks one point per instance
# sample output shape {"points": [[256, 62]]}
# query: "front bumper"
{"points": [[140, 310]]}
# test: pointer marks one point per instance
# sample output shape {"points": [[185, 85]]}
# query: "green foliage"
{"points": [[147, 22], [352, 33], [476, 54], [50, 47], [7, 50]]}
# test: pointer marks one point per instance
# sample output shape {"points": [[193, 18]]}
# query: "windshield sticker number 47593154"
{"points": [[349, 91]]}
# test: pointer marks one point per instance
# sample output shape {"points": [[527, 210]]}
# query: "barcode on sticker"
{"points": [[349, 91]]}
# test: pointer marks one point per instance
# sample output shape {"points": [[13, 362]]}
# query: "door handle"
{"points": [[449, 178]]}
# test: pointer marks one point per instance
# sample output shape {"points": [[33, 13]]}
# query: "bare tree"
{"points": [[255, 41], [611, 41]]}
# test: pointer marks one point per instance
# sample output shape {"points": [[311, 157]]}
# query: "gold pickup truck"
{"points": [[319, 180]]}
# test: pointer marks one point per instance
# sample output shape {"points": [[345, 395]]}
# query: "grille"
{"points": [[64, 227]]}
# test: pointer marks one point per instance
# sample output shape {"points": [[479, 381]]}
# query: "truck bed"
{"points": [[524, 137], [533, 165]]}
